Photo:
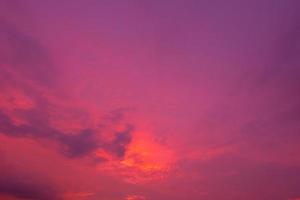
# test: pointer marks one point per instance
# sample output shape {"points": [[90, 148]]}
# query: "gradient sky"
{"points": [[150, 100]]}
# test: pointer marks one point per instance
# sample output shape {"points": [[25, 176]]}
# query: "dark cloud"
{"points": [[121, 140], [23, 56], [72, 144], [26, 188], [80, 144]]}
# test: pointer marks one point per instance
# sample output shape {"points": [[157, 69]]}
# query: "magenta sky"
{"points": [[150, 100]]}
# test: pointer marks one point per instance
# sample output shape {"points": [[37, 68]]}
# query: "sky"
{"points": [[149, 100]]}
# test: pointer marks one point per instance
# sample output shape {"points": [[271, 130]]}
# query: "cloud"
{"points": [[27, 77], [72, 144], [25, 187], [80, 144], [76, 144], [25, 55], [121, 140]]}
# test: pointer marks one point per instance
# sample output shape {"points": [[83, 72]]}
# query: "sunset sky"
{"points": [[150, 100]]}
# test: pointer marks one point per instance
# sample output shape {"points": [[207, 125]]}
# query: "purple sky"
{"points": [[150, 100]]}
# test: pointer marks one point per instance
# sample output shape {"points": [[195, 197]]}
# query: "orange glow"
{"points": [[77, 195], [147, 156], [135, 197], [145, 160]]}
